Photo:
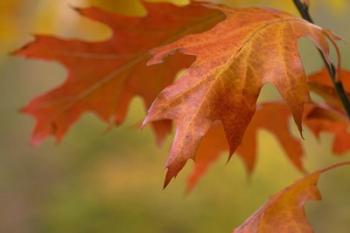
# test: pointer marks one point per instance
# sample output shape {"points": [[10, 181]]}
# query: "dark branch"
{"points": [[305, 13]]}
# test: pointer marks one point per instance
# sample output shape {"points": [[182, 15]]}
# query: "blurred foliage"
{"points": [[20, 18], [111, 182]]}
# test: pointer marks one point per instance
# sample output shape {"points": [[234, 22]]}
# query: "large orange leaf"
{"points": [[234, 60], [104, 76], [284, 212]]}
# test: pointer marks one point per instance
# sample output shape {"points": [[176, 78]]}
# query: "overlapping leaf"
{"points": [[213, 105], [104, 76], [284, 212], [319, 119], [234, 60], [214, 143], [321, 84]]}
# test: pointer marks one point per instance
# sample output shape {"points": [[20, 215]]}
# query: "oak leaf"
{"points": [[273, 117], [317, 118], [321, 84], [234, 60], [320, 120], [284, 212], [104, 76]]}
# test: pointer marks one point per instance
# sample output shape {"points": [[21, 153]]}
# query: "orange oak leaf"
{"points": [[274, 117], [284, 212], [234, 60], [322, 120], [211, 147], [104, 76], [321, 84]]}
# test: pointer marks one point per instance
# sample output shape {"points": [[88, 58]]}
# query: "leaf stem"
{"points": [[305, 13]]}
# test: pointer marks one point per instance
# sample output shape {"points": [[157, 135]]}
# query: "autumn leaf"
{"points": [[211, 147], [214, 143], [321, 120], [234, 60], [278, 127], [104, 76], [318, 119], [321, 84], [284, 212]]}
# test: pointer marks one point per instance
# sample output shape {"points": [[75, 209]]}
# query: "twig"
{"points": [[305, 13]]}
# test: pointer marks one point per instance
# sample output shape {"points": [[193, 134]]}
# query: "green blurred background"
{"points": [[99, 181]]}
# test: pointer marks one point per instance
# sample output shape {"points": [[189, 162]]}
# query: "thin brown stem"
{"points": [[305, 13]]}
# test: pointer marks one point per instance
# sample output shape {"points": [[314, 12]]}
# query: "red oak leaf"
{"points": [[273, 117], [104, 76], [321, 84], [320, 120], [234, 60]]}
